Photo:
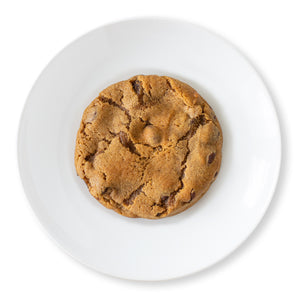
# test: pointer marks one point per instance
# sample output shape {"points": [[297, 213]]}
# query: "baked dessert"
{"points": [[148, 147]]}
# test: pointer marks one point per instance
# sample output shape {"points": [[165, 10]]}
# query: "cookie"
{"points": [[148, 147]]}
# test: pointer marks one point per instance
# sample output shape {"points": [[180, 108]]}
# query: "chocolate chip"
{"points": [[124, 139], [137, 86], [216, 174], [202, 120], [211, 157], [164, 200], [126, 142], [192, 195], [90, 157]]}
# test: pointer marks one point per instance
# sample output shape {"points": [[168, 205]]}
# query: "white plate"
{"points": [[137, 248]]}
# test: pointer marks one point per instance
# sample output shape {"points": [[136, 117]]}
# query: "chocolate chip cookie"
{"points": [[148, 147]]}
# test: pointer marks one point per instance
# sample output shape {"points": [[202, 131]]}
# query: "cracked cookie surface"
{"points": [[148, 147]]}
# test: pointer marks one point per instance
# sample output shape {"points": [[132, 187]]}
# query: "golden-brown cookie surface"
{"points": [[148, 147]]}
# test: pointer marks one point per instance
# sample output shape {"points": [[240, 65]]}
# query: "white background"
{"points": [[267, 266]]}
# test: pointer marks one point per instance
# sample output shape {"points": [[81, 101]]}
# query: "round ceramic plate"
{"points": [[138, 248]]}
